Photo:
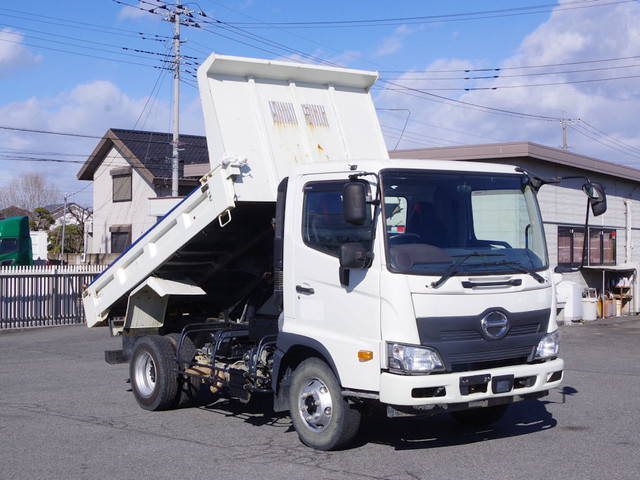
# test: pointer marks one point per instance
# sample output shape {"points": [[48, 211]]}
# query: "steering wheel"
{"points": [[402, 238]]}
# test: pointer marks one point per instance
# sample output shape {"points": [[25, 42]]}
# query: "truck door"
{"points": [[342, 319]]}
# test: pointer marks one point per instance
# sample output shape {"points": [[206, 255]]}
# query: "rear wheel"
{"points": [[322, 417], [192, 391], [154, 380], [480, 417]]}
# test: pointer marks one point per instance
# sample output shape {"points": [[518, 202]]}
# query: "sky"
{"points": [[461, 72]]}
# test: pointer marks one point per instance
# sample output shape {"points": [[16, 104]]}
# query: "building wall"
{"points": [[107, 213]]}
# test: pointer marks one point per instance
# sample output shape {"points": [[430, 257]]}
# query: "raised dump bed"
{"points": [[262, 118]]}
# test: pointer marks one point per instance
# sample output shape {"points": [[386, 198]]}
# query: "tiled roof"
{"points": [[148, 151]]}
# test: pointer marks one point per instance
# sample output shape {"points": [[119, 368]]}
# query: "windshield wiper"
{"points": [[521, 268], [453, 268]]}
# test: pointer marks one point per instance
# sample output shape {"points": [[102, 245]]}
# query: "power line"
{"points": [[424, 94], [83, 25], [77, 39], [147, 52], [421, 136], [579, 129], [60, 50], [613, 139], [502, 87], [444, 18], [81, 135], [535, 74], [499, 69], [459, 132]]}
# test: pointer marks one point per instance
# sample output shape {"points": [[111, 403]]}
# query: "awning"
{"points": [[624, 267]]}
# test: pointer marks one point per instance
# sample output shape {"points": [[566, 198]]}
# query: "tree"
{"points": [[73, 239], [41, 219], [29, 191]]}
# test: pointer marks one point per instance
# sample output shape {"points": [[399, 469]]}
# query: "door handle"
{"points": [[305, 290]]}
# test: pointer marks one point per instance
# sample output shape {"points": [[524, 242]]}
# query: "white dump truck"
{"points": [[311, 267]]}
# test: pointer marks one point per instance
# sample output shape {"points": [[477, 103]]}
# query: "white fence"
{"points": [[43, 295]]}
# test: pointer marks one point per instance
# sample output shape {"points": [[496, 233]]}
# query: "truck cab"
{"points": [[449, 301], [15, 242]]}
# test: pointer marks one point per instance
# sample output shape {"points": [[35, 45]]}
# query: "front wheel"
{"points": [[480, 417], [322, 417]]}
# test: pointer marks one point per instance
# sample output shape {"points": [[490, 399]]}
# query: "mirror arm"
{"points": [[344, 276], [535, 181], [585, 239]]}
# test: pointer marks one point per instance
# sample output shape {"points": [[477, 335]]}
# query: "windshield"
{"points": [[8, 245], [434, 219]]}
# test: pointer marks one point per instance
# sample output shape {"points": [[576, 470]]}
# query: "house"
{"points": [[613, 239], [13, 211], [131, 175], [74, 214]]}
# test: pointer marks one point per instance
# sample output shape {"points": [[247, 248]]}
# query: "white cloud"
{"points": [[611, 106], [13, 54], [343, 59], [89, 108], [139, 11], [394, 42]]}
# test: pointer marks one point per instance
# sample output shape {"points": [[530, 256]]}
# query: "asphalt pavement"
{"points": [[66, 414]]}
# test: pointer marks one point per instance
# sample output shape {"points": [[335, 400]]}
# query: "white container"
{"points": [[39, 240], [272, 115], [589, 309], [569, 296]]}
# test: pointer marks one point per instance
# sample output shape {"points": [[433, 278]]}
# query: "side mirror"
{"points": [[354, 203], [353, 255], [597, 197], [563, 269]]}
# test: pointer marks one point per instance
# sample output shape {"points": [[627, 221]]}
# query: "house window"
{"points": [[121, 181], [323, 225], [602, 246], [570, 245], [120, 237]]}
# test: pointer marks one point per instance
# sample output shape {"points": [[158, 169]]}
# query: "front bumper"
{"points": [[409, 390]]}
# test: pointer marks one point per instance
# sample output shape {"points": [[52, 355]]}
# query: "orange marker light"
{"points": [[365, 355]]}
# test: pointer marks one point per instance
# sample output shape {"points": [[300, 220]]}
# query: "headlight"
{"points": [[410, 359], [548, 346]]}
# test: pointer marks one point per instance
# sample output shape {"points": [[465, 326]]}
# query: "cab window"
{"points": [[323, 225]]}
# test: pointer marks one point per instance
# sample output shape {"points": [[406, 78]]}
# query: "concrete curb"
{"points": [[8, 331]]}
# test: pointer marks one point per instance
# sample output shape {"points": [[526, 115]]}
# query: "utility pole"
{"points": [[64, 224], [176, 101], [564, 124]]}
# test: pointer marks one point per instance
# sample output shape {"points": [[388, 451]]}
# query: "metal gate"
{"points": [[43, 295]]}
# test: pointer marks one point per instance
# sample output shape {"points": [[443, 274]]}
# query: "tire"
{"points": [[314, 388], [191, 390], [154, 380], [480, 417]]}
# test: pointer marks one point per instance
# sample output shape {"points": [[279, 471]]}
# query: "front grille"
{"points": [[527, 329], [499, 354], [463, 347], [460, 335], [470, 367]]}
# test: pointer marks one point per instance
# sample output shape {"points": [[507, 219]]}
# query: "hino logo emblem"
{"points": [[494, 325]]}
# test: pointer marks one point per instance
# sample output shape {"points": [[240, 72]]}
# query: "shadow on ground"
{"points": [[522, 418], [442, 431]]}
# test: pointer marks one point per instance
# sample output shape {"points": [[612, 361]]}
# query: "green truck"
{"points": [[15, 242]]}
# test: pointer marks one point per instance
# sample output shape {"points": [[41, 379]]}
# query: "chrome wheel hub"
{"points": [[315, 405], [145, 374]]}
